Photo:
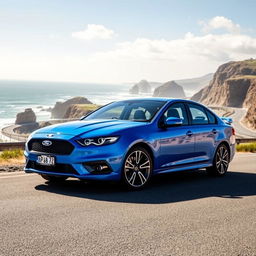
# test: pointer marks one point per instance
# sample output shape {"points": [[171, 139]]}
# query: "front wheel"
{"points": [[52, 178], [220, 161], [137, 168]]}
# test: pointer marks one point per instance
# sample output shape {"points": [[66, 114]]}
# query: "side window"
{"points": [[211, 117], [177, 110], [198, 114], [139, 113]]}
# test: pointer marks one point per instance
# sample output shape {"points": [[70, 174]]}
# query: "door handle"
{"points": [[214, 131], [189, 133]]}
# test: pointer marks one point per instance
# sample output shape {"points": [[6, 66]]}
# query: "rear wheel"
{"points": [[220, 161], [137, 168], [52, 178]]}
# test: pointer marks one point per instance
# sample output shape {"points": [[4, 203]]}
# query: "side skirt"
{"points": [[182, 168]]}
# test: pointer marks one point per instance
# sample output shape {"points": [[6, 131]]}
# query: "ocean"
{"points": [[15, 96]]}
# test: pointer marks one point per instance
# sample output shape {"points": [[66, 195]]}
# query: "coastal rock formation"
{"points": [[142, 87], [233, 85], [169, 89], [26, 129], [60, 108], [250, 104], [28, 116], [229, 85], [79, 110]]}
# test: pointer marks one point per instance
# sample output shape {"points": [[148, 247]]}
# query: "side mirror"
{"points": [[227, 120], [173, 121]]}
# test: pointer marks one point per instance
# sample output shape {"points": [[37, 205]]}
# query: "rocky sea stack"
{"points": [[60, 108], [28, 116], [169, 89], [233, 85], [142, 87], [79, 110]]}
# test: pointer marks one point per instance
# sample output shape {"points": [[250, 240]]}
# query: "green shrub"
{"points": [[246, 147], [10, 154]]}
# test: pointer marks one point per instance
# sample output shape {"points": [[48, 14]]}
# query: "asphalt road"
{"points": [[184, 213]]}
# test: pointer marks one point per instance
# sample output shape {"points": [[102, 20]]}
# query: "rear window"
{"points": [[211, 117], [198, 114]]}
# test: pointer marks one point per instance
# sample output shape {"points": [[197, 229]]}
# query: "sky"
{"points": [[113, 42]]}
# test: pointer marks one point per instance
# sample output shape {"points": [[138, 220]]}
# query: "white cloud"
{"points": [[94, 31], [164, 60], [220, 22], [208, 47], [156, 60]]}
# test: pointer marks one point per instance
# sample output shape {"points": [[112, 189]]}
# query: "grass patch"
{"points": [[89, 107], [243, 77], [11, 154], [246, 147], [250, 63]]}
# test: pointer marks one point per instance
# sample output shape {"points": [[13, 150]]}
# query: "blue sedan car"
{"points": [[132, 140]]}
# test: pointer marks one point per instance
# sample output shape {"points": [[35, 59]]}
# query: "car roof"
{"points": [[165, 99]]}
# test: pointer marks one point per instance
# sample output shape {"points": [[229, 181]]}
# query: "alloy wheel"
{"points": [[137, 168], [222, 160]]}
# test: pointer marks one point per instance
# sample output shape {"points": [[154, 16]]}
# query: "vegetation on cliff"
{"points": [[60, 108], [79, 110]]}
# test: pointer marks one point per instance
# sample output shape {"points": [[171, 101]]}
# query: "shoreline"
{"points": [[8, 133]]}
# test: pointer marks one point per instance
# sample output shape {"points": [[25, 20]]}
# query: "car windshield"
{"points": [[138, 111]]}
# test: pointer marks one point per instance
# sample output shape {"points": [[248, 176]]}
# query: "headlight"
{"points": [[99, 141]]}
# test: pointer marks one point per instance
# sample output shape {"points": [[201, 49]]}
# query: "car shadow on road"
{"points": [[168, 188]]}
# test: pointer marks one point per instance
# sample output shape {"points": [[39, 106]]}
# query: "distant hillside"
{"points": [[233, 85], [190, 85], [195, 84]]}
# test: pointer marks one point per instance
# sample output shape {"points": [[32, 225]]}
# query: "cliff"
{"points": [[60, 108], [250, 104], [233, 85], [229, 85], [169, 89]]}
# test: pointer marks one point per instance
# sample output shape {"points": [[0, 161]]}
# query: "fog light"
{"points": [[100, 167]]}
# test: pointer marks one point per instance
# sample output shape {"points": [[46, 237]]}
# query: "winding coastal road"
{"points": [[241, 130], [186, 213], [7, 134]]}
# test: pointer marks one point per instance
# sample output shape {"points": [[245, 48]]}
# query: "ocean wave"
{"points": [[6, 121]]}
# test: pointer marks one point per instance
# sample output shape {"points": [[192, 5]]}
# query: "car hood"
{"points": [[89, 127]]}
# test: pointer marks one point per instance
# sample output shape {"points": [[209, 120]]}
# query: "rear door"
{"points": [[204, 128], [177, 143]]}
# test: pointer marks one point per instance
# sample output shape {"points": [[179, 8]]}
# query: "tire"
{"points": [[52, 178], [137, 169], [220, 161]]}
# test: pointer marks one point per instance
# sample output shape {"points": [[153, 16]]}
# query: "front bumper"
{"points": [[75, 164]]}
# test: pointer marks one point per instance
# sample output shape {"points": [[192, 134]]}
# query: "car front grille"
{"points": [[59, 147], [57, 168]]}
